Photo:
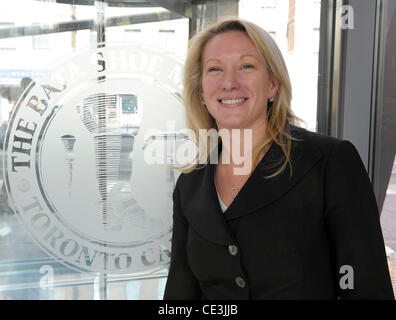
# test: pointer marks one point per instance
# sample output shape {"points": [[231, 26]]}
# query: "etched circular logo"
{"points": [[74, 163]]}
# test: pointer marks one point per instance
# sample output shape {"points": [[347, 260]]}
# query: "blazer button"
{"points": [[240, 282], [233, 250]]}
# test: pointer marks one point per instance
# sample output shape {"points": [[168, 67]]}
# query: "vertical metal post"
{"points": [[377, 103], [325, 67], [100, 37], [330, 68], [192, 25], [336, 106]]}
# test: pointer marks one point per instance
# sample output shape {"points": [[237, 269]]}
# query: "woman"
{"points": [[302, 223]]}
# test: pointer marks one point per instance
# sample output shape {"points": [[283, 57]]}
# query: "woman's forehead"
{"points": [[230, 43]]}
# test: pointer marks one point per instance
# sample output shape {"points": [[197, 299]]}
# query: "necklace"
{"points": [[234, 191], [235, 186]]}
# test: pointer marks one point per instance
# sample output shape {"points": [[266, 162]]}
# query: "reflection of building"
{"points": [[125, 112], [47, 48]]}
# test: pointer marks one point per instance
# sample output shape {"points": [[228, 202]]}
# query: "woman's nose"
{"points": [[230, 80]]}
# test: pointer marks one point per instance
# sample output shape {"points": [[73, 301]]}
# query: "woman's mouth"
{"points": [[232, 101]]}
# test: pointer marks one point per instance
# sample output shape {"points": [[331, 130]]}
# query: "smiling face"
{"points": [[235, 82]]}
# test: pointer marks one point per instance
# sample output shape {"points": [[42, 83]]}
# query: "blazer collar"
{"points": [[204, 212]]}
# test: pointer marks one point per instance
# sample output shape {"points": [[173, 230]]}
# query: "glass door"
{"points": [[91, 118]]}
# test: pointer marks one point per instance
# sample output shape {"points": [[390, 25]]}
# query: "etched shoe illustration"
{"points": [[113, 148]]}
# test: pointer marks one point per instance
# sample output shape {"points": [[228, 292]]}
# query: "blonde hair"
{"points": [[279, 112]]}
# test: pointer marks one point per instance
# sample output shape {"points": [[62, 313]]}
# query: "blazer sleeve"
{"points": [[181, 283], [353, 225]]}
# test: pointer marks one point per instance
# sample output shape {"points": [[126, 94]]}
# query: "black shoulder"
{"points": [[316, 140], [191, 179]]}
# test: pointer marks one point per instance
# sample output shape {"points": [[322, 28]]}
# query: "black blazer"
{"points": [[285, 237]]}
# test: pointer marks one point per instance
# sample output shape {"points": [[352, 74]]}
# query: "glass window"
{"points": [[90, 118], [129, 103], [384, 173]]}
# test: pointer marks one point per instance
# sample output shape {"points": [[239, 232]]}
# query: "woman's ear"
{"points": [[274, 87], [201, 96]]}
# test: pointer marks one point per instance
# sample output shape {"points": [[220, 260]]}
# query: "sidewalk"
{"points": [[388, 224], [392, 270]]}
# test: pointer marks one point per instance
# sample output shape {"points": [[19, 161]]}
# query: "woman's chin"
{"points": [[231, 125]]}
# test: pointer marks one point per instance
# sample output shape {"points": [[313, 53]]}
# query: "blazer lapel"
{"points": [[203, 212], [260, 191], [201, 205]]}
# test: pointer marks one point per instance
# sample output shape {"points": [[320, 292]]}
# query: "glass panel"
{"points": [[90, 116], [81, 222], [385, 160]]}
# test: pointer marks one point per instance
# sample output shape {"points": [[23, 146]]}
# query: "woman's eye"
{"points": [[247, 66], [213, 69]]}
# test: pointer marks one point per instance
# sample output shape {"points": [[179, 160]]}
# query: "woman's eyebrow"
{"points": [[241, 57], [248, 56], [212, 59]]}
